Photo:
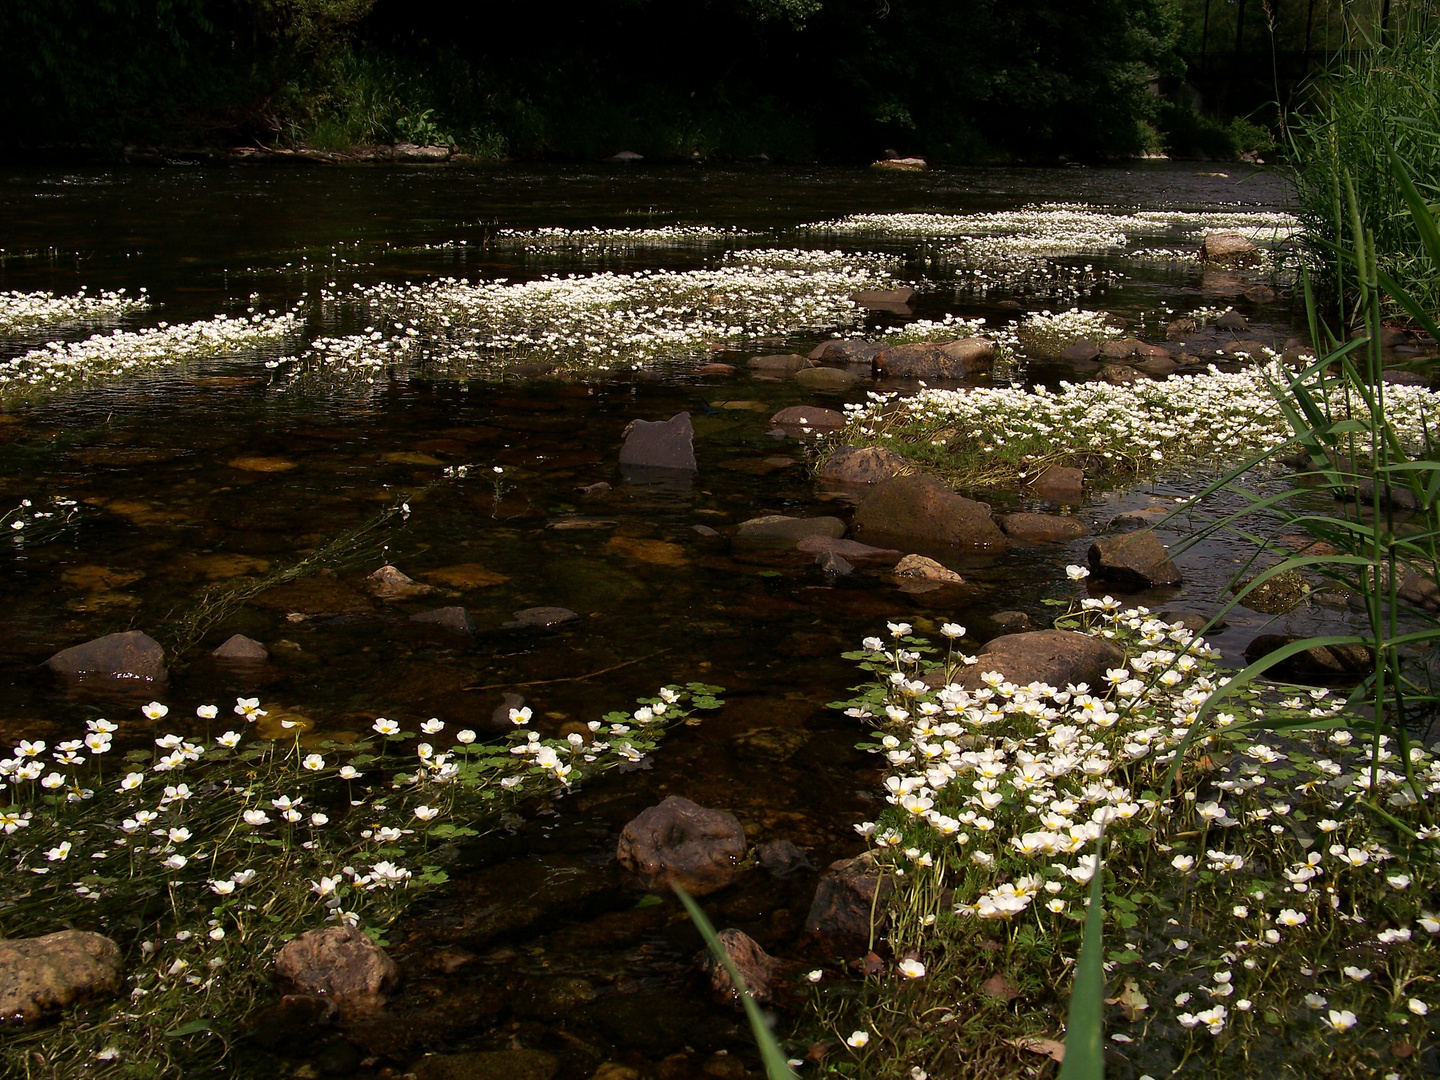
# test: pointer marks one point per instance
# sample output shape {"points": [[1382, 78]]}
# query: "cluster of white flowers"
{"points": [[946, 328], [1061, 228], [1014, 783], [61, 365], [26, 311], [598, 241], [600, 320], [1047, 333], [1215, 416]]}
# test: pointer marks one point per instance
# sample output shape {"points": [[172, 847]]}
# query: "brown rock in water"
{"points": [[337, 961], [802, 419], [389, 583], [1120, 373], [469, 575], [844, 901], [1042, 528], [1133, 561], [896, 301], [756, 967], [777, 364], [540, 618], [455, 619], [918, 566], [663, 444], [1059, 484], [853, 550], [1228, 249], [826, 378], [1058, 658], [1317, 660], [1181, 329], [778, 531], [935, 360], [847, 351], [321, 595], [128, 655], [921, 509], [240, 648], [1082, 352], [681, 843], [1233, 321], [863, 465], [43, 975]]}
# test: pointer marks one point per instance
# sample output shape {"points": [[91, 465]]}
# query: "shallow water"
{"points": [[173, 501]]}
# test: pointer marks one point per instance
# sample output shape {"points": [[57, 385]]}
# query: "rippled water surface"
{"points": [[208, 474]]}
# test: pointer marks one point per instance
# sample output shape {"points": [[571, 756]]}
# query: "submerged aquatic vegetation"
{"points": [[201, 853], [1279, 878], [66, 365], [601, 320], [25, 311], [993, 435]]}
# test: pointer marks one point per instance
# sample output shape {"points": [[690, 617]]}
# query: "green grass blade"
{"points": [[777, 1066], [1085, 1022]]}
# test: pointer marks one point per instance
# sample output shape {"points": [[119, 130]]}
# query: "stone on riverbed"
{"points": [[777, 364], [1057, 658], [1228, 249], [1042, 528], [128, 655], [922, 509], [827, 378], [455, 619], [896, 301], [241, 649], [799, 420], [1059, 484], [844, 900], [390, 583], [852, 550], [660, 444], [540, 618], [756, 967], [918, 566], [936, 360], [679, 842], [847, 351], [1133, 561], [337, 961], [43, 975], [863, 465], [778, 531]]}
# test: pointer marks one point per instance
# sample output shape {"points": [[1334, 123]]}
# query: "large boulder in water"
{"points": [[660, 444], [682, 843], [845, 900], [936, 360], [128, 655], [1226, 248], [863, 465], [338, 961], [1135, 561], [45, 974], [1058, 658], [920, 509]]}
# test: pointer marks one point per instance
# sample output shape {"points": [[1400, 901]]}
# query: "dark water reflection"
{"points": [[539, 942]]}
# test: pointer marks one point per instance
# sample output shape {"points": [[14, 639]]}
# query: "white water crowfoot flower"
{"points": [[155, 711], [60, 365], [911, 969], [520, 717], [1007, 785], [249, 708], [858, 1040], [387, 728], [314, 762], [1077, 573], [1341, 1019]]}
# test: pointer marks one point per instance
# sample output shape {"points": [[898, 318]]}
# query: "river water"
{"points": [[538, 941]]}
